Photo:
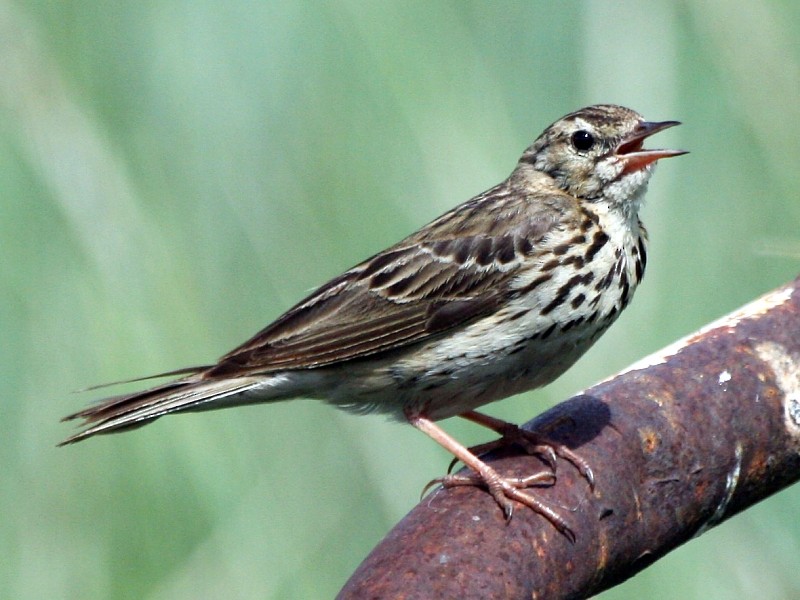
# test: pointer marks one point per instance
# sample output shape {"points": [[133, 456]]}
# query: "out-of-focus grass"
{"points": [[175, 174]]}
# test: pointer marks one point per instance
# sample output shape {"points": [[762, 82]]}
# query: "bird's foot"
{"points": [[505, 490], [533, 443]]}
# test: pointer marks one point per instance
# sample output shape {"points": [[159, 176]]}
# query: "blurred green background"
{"points": [[175, 174]]}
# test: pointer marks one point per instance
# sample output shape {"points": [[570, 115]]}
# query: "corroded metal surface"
{"points": [[678, 443]]}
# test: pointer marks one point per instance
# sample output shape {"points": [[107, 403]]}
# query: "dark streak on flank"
{"points": [[641, 264], [551, 264], [517, 348], [599, 240], [590, 219], [573, 323], [626, 295], [565, 290], [605, 281], [536, 283], [575, 259], [548, 332], [578, 239]]}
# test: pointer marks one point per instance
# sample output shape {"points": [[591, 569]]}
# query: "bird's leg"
{"points": [[531, 442], [502, 489]]}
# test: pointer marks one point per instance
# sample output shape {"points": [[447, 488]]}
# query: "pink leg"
{"points": [[502, 489]]}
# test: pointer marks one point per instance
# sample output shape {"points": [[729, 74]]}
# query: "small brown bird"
{"points": [[497, 296]]}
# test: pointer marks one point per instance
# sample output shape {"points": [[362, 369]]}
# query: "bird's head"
{"points": [[596, 154]]}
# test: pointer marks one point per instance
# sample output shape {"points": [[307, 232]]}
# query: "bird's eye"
{"points": [[582, 140]]}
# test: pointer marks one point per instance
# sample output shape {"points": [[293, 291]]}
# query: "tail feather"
{"points": [[175, 373], [127, 411]]}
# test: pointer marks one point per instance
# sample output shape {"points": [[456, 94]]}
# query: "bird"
{"points": [[497, 296]]}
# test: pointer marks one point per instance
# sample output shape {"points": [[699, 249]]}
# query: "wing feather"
{"points": [[449, 273]]}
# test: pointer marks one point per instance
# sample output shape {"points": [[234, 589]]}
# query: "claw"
{"points": [[455, 461], [578, 462], [547, 454], [566, 532], [429, 485], [508, 511]]}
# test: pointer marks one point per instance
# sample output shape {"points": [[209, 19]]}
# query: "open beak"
{"points": [[631, 152]]}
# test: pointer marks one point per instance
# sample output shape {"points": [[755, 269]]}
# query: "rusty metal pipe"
{"points": [[679, 442]]}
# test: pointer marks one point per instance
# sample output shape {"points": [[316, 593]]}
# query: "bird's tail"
{"points": [[127, 411]]}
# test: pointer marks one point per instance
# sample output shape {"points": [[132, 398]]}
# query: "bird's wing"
{"points": [[454, 270]]}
